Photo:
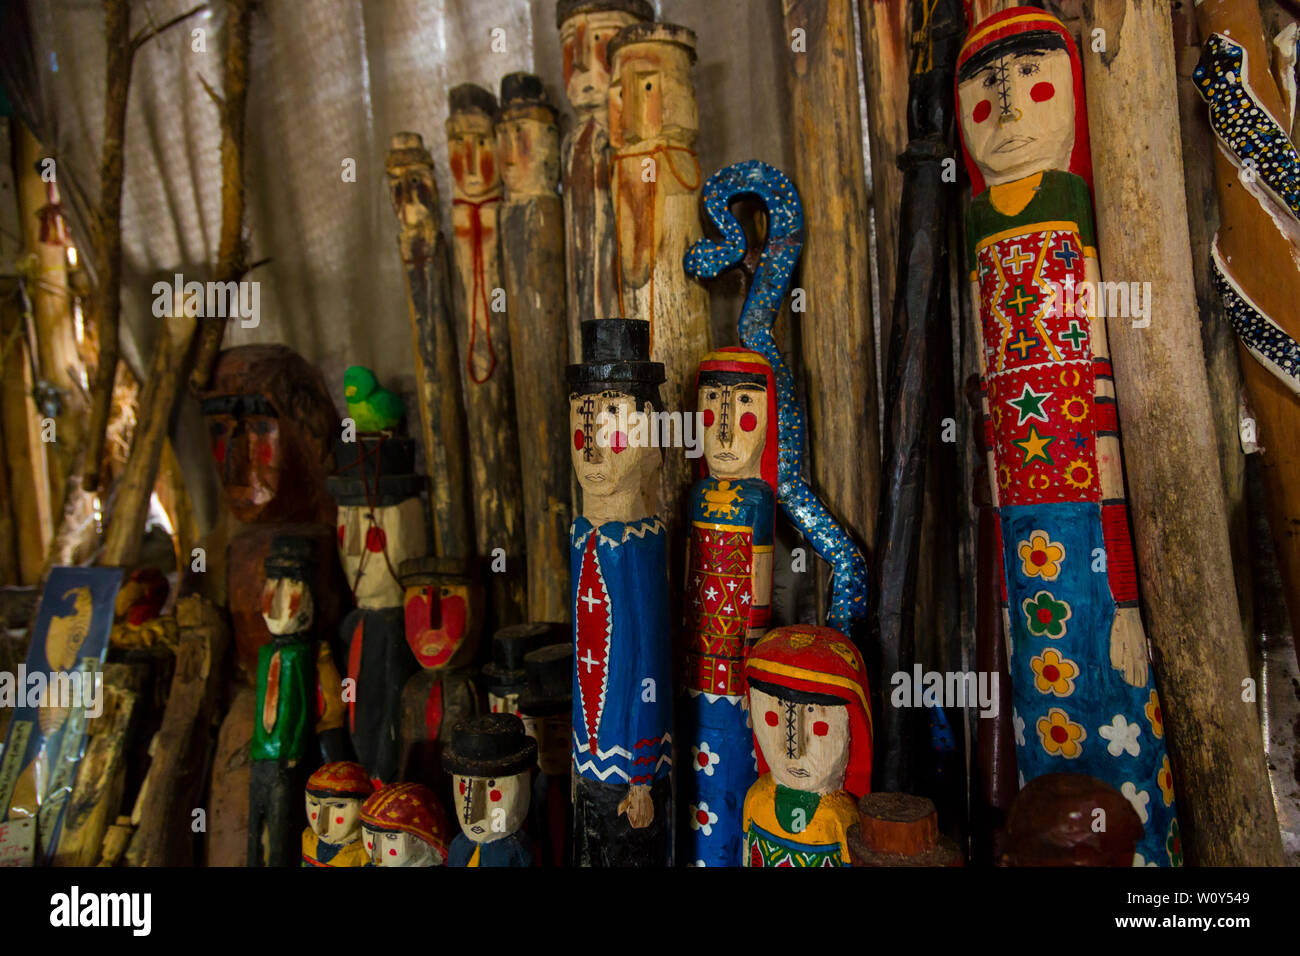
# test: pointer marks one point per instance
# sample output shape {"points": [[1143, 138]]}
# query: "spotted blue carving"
{"points": [[771, 279]]}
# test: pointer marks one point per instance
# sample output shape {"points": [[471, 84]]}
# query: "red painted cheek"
{"points": [[265, 452], [748, 421], [369, 845], [618, 443], [495, 795], [457, 166], [295, 602], [392, 853], [338, 819], [342, 534], [708, 418], [579, 439], [219, 450], [821, 728], [982, 110], [375, 540], [313, 816], [1042, 92], [267, 598], [462, 788], [771, 718]]}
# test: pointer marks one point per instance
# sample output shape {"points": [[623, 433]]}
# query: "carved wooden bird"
{"points": [[373, 407]]}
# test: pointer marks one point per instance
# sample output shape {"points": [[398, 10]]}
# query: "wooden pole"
{"points": [[24, 451], [1225, 806], [839, 349]]}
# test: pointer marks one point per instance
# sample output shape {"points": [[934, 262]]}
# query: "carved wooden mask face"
{"points": [[244, 431], [365, 534], [552, 734], [528, 150], [414, 194], [335, 819], [619, 467], [586, 64], [389, 848], [442, 623], [651, 95], [735, 425], [806, 746], [1018, 111], [490, 808], [471, 147], [287, 606]]}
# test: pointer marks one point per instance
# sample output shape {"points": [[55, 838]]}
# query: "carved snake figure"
{"points": [[770, 279]]}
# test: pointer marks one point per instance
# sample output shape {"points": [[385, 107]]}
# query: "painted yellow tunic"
{"points": [[350, 854], [823, 842]]}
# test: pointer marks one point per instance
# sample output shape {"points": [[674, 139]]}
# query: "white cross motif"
{"points": [[727, 609], [589, 661], [590, 600], [731, 585]]}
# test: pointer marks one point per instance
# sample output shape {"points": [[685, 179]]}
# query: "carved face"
{"points": [[387, 848], [287, 606], [623, 463], [552, 734], [586, 64], [364, 536], [334, 819], [440, 622], [528, 149], [651, 95], [490, 808], [414, 194], [735, 427], [497, 704], [471, 146], [245, 440], [806, 746], [1018, 114]]}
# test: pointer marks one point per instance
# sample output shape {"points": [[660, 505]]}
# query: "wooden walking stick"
{"points": [[532, 251], [428, 291], [483, 336]]}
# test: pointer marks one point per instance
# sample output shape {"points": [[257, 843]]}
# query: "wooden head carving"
{"points": [[335, 793], [1020, 99], [271, 424], [651, 96], [611, 396], [404, 825], [471, 143], [287, 604], [443, 606], [808, 704], [737, 397], [586, 27], [490, 758], [1054, 822], [411, 184], [528, 138]]}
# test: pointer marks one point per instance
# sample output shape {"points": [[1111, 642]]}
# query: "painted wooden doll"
{"points": [[546, 708], [505, 676], [728, 597], [403, 825], [591, 256], [1085, 698], [812, 734], [443, 609], [380, 524], [532, 254], [483, 338], [622, 711], [490, 757], [335, 793]]}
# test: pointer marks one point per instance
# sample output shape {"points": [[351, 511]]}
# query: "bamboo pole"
{"points": [[1179, 515]]}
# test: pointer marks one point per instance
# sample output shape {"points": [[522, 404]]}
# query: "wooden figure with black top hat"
{"points": [[490, 757]]}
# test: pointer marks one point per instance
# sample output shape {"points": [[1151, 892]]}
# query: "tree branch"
{"points": [[144, 36]]}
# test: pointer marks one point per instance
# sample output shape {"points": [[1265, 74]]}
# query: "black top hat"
{"points": [[468, 97], [571, 8], [550, 681], [374, 469], [505, 672], [490, 745], [616, 355], [291, 556], [523, 89]]}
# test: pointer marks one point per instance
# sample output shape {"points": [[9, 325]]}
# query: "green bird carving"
{"points": [[373, 407]]}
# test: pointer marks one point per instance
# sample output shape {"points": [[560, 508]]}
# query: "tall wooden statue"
{"points": [[653, 125], [728, 598], [622, 710], [532, 251], [380, 525], [403, 825], [483, 337], [428, 289], [812, 734], [335, 794], [546, 708], [1085, 699], [490, 757]]}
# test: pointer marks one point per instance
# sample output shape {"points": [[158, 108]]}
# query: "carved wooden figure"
{"points": [[655, 182], [335, 794], [483, 337], [1071, 819], [404, 825], [728, 597], [380, 525], [591, 255], [812, 734], [1085, 699], [437, 371], [505, 676], [622, 711], [546, 708], [443, 608], [532, 252], [491, 757]]}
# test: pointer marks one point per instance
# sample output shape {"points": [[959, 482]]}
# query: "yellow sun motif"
{"points": [[1075, 409], [1078, 474], [1004, 477], [721, 502]]}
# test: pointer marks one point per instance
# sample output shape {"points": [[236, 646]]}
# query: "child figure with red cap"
{"points": [[334, 796], [403, 825], [812, 734]]}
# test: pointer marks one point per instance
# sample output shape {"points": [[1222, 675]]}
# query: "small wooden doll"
{"points": [[812, 733], [1071, 819], [490, 757], [505, 675], [403, 825], [622, 712], [728, 596], [546, 708], [1085, 697], [335, 793]]}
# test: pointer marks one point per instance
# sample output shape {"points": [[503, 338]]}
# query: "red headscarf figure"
{"points": [[405, 825]]}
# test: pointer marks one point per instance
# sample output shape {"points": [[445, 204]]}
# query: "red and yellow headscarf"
{"points": [[819, 660], [340, 779], [408, 808], [733, 358]]}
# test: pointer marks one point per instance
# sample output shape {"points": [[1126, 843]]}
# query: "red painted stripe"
{"points": [[1107, 416], [1121, 568]]}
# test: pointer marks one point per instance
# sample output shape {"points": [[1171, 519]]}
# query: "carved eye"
{"points": [[1028, 69], [745, 399], [771, 718], [648, 86], [990, 79], [612, 409]]}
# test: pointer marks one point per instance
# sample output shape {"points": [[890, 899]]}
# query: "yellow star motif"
{"points": [[1035, 446]]}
